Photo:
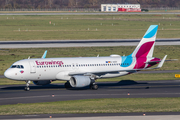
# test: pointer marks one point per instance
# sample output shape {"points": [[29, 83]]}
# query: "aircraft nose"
{"points": [[7, 74]]}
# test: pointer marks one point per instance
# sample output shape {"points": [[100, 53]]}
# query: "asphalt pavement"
{"points": [[81, 43], [14, 94]]}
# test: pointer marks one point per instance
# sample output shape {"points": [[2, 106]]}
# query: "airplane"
{"points": [[83, 71]]}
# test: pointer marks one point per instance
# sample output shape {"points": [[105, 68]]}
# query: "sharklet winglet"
{"points": [[162, 62], [44, 55]]}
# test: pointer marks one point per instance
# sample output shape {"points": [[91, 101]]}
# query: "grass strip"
{"points": [[113, 105], [75, 27]]}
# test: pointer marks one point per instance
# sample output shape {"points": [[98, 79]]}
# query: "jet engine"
{"points": [[42, 82], [80, 81]]}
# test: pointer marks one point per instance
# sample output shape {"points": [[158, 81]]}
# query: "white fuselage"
{"points": [[59, 68]]}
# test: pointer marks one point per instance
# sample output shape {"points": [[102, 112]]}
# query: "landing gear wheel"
{"points": [[67, 85], [26, 88], [94, 87], [27, 85]]}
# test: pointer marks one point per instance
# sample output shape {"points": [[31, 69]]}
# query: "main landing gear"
{"points": [[27, 85], [93, 85], [67, 85]]}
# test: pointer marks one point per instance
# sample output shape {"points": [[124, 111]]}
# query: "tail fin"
{"points": [[146, 46]]}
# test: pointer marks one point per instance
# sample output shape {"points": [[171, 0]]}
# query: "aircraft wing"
{"points": [[100, 72]]}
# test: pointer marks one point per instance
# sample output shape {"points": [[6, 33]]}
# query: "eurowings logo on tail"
{"points": [[145, 48]]}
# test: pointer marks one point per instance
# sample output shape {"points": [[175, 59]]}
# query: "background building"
{"points": [[120, 8]]}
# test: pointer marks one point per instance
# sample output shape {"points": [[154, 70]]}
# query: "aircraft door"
{"points": [[73, 66], [77, 66], [32, 67]]}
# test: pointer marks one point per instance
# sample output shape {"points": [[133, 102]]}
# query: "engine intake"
{"points": [[80, 81]]}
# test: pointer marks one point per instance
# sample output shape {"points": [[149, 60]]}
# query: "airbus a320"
{"points": [[84, 71]]}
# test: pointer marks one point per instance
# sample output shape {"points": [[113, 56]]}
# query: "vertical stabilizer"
{"points": [[146, 46]]}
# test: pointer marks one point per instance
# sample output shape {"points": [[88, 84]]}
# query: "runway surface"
{"points": [[98, 116], [81, 43], [14, 94], [87, 13]]}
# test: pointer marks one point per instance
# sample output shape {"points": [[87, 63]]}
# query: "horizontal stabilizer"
{"points": [[152, 62]]}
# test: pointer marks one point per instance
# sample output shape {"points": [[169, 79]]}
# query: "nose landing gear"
{"points": [[27, 85]]}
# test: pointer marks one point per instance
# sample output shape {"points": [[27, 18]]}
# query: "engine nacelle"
{"points": [[42, 82], [80, 81]]}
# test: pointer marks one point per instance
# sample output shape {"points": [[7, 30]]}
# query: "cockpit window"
{"points": [[13, 66], [17, 66]]}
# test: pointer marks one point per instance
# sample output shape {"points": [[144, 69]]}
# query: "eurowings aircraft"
{"points": [[83, 71]]}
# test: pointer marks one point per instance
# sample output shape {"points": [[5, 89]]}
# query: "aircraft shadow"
{"points": [[61, 86], [121, 83], [113, 84]]}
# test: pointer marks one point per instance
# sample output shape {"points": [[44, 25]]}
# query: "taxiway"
{"points": [[81, 43]]}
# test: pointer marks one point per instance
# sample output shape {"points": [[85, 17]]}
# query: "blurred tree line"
{"points": [[46, 4]]}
